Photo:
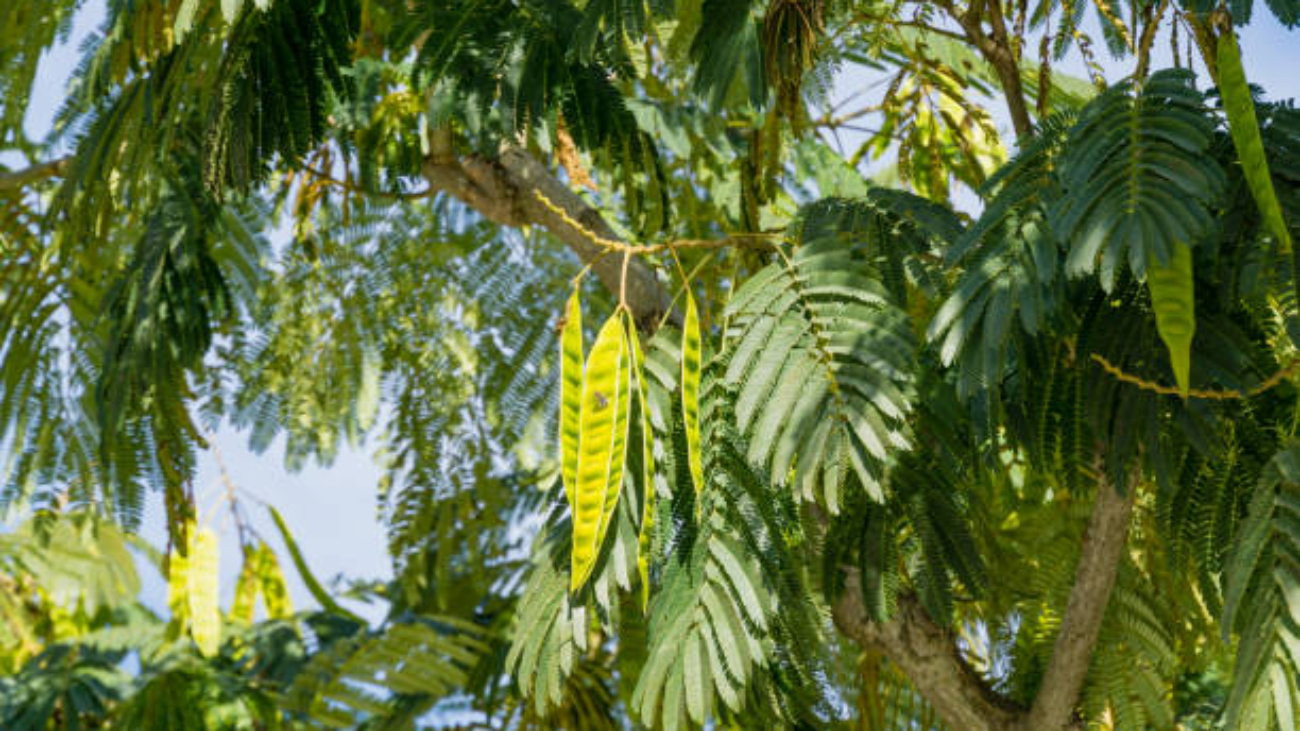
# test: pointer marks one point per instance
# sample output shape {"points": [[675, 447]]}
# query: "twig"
{"points": [[1226, 395], [35, 173], [919, 25], [1148, 38], [756, 240], [349, 187]]}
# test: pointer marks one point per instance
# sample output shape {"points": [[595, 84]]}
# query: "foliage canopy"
{"points": [[688, 414]]}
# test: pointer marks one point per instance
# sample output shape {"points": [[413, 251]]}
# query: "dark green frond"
{"points": [[1136, 177], [282, 67]]}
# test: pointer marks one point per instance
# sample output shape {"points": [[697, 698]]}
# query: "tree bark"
{"points": [[928, 655], [506, 189], [1103, 547], [995, 47]]}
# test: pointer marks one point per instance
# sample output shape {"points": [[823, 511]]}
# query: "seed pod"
{"points": [[570, 393], [602, 446], [1173, 299]]}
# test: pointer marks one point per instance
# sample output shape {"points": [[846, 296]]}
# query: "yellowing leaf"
{"points": [[230, 9], [184, 19], [602, 446], [570, 393], [1173, 299], [1240, 108], [201, 592], [178, 570], [647, 463], [275, 593], [691, 392], [241, 610]]}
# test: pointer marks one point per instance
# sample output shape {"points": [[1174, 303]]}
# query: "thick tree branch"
{"points": [[506, 189], [1099, 558], [927, 653]]}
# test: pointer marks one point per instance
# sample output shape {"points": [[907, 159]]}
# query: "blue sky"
{"points": [[332, 510]]}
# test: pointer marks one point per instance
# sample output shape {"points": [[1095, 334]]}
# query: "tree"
{"points": [[840, 454]]}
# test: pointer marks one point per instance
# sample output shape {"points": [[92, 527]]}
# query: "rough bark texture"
{"points": [[1103, 547], [928, 655], [505, 189]]}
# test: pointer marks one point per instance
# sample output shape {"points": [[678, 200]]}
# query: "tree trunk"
{"points": [[1103, 548], [928, 653]]}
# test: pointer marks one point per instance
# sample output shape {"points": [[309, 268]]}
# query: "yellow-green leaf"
{"points": [[1173, 300], [647, 463], [275, 592], [184, 19], [691, 392], [241, 610], [201, 592], [1240, 108], [178, 570], [602, 444], [570, 393]]}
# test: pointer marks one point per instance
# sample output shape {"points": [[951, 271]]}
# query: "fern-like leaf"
{"points": [[823, 361], [1262, 599], [1137, 177]]}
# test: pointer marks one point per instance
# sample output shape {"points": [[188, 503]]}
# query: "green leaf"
{"points": [[823, 362], [570, 393], [691, 362], [1240, 108], [1012, 266], [280, 71], [1261, 597], [1174, 300], [601, 447], [1137, 177]]}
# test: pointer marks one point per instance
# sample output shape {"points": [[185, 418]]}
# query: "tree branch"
{"points": [[927, 653], [358, 190], [505, 189], [1099, 557], [996, 47], [1148, 37], [35, 173]]}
